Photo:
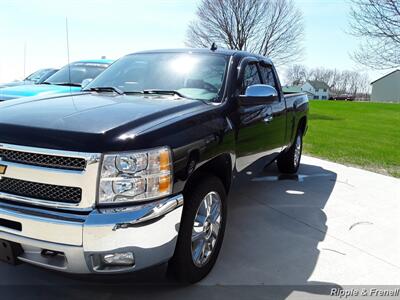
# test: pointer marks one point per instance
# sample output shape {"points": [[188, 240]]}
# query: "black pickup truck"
{"points": [[135, 170]]}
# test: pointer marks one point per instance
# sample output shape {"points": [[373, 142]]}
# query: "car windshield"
{"points": [[196, 76], [37, 75], [78, 72]]}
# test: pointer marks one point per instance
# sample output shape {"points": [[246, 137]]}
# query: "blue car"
{"points": [[67, 80], [35, 78]]}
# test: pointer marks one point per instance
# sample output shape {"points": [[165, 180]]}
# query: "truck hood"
{"points": [[20, 91], [87, 121]]}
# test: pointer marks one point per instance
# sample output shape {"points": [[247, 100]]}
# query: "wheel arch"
{"points": [[220, 166], [302, 125]]}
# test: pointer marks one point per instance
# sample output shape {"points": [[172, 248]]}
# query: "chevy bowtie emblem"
{"points": [[3, 169]]}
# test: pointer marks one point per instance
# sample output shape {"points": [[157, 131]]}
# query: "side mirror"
{"points": [[258, 94], [85, 82]]}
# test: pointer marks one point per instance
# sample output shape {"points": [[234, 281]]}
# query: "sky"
{"points": [[115, 28]]}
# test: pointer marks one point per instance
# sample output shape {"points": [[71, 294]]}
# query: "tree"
{"points": [[329, 76], [268, 27], [377, 23], [296, 74], [343, 82]]}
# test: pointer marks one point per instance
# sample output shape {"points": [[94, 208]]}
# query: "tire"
{"points": [[288, 162], [183, 266]]}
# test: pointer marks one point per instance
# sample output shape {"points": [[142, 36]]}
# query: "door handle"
{"points": [[267, 119]]}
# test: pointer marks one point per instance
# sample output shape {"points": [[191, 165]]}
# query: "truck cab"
{"points": [[135, 170]]}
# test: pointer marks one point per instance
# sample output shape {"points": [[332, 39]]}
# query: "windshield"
{"points": [[79, 72], [37, 75], [197, 76]]}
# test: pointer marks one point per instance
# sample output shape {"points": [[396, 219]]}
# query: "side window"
{"points": [[251, 76], [268, 76]]}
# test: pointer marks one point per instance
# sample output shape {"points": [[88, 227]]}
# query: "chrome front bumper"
{"points": [[149, 231]]}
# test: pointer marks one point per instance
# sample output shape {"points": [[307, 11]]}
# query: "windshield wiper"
{"points": [[67, 84], [164, 92], [45, 82], [100, 89]]}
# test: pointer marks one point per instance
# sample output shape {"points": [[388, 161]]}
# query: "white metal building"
{"points": [[386, 88]]}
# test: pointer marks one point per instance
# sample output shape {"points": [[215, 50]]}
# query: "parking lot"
{"points": [[330, 226]]}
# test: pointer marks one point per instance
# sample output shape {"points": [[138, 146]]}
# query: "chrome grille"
{"points": [[49, 177], [41, 191], [43, 160]]}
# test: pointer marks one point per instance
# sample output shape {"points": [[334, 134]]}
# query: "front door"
{"points": [[262, 127]]}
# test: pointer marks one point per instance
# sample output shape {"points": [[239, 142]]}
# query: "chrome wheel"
{"points": [[207, 223], [297, 151]]}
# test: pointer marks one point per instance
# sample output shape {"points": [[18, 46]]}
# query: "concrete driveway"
{"points": [[299, 236]]}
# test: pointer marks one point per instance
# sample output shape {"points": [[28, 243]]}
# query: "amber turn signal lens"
{"points": [[164, 184], [164, 161]]}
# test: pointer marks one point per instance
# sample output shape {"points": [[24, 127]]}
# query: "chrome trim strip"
{"points": [[43, 174], [124, 217], [159, 210], [90, 157], [45, 213], [35, 201]]}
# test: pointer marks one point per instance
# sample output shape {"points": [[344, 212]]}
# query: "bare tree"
{"points": [[340, 83], [267, 27], [329, 76], [377, 23], [296, 74]]}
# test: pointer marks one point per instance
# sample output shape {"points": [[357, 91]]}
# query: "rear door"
{"points": [[276, 129]]}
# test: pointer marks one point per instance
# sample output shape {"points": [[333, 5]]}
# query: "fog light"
{"points": [[119, 259]]}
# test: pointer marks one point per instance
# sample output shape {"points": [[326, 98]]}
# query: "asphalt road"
{"points": [[292, 237]]}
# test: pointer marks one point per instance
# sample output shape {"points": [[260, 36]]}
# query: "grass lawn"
{"points": [[356, 133]]}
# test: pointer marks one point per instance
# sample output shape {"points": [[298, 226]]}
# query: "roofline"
{"points": [[308, 92], [385, 76], [95, 61], [326, 85], [223, 51]]}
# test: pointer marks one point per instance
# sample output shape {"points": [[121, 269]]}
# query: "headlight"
{"points": [[135, 176]]}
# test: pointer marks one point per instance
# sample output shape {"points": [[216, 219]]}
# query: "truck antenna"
{"points": [[214, 46]]}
